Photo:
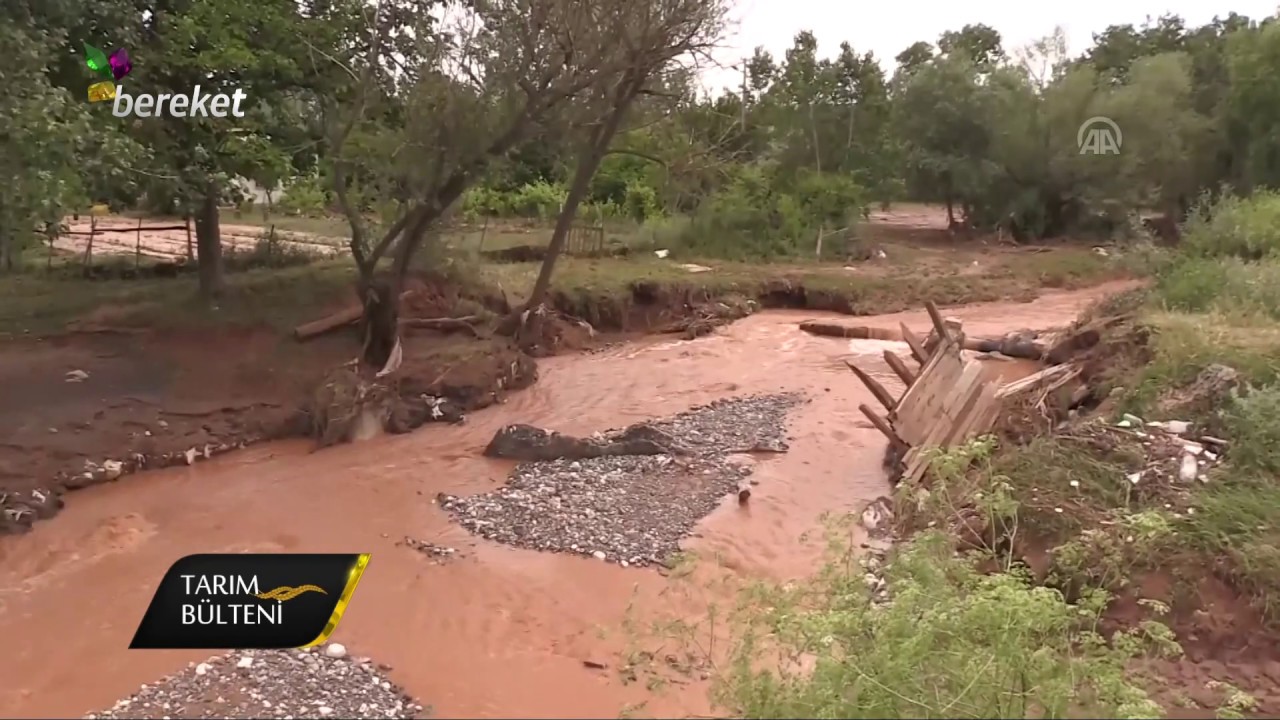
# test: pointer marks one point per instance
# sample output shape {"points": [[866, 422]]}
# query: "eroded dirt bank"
{"points": [[496, 631], [111, 397]]}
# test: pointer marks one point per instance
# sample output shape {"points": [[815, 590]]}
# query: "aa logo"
{"points": [[242, 601], [1099, 136]]}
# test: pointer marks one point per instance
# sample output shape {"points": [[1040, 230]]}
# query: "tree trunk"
{"points": [[209, 246], [381, 296], [381, 321], [588, 163]]}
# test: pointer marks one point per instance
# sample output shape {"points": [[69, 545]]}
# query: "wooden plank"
{"points": [[967, 401], [914, 419], [925, 372], [918, 402], [876, 388], [913, 342], [1044, 377], [943, 421], [899, 368], [882, 425], [939, 325]]}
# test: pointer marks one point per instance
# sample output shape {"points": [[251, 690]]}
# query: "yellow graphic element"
{"points": [[284, 592], [99, 91], [353, 579]]}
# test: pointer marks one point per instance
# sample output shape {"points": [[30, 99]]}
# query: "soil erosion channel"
{"points": [[495, 631]]}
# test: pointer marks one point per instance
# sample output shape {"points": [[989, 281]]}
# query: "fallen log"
{"points": [[445, 324], [315, 328], [855, 332], [1013, 348]]}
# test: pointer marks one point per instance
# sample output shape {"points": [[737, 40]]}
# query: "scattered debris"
{"points": [[75, 376], [662, 253], [439, 553]]}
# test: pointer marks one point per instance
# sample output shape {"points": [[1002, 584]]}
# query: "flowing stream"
{"points": [[497, 632]]}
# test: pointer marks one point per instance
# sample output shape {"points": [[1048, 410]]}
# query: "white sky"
{"points": [[888, 27]]}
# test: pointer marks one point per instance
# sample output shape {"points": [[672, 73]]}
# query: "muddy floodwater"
{"points": [[496, 632]]}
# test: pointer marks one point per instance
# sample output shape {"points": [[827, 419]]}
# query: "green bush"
{"points": [[954, 642], [751, 217], [304, 197], [1247, 228], [1253, 424], [1223, 284]]}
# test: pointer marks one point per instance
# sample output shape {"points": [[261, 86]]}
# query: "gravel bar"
{"points": [[631, 509], [312, 683]]}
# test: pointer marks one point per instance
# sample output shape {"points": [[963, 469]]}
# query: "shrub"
{"points": [[304, 197], [1223, 284], [954, 642], [1247, 228]]}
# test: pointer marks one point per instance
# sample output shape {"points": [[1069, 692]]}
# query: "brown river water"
{"points": [[498, 632]]}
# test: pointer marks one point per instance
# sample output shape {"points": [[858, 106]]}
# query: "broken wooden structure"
{"points": [[950, 399]]}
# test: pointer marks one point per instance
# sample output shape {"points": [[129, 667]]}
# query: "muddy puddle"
{"points": [[495, 631]]}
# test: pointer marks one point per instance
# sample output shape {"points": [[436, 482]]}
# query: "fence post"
{"points": [[818, 252], [137, 246], [271, 243], [191, 254], [50, 235], [88, 248], [484, 230]]}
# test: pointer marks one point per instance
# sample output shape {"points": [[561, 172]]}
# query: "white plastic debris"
{"points": [[75, 376], [112, 469], [1177, 427], [1074, 483], [662, 253], [1133, 478], [1189, 469]]}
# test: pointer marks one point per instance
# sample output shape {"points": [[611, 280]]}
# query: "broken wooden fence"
{"points": [[948, 401]]}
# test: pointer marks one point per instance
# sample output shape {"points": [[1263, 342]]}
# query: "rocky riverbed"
{"points": [[631, 509], [311, 683]]}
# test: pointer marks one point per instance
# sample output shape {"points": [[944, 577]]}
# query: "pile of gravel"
{"points": [[630, 509], [309, 683]]}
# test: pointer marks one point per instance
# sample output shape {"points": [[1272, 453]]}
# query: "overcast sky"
{"points": [[887, 27]]}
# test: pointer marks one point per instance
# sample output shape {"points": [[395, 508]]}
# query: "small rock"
{"points": [[324, 710], [75, 376], [203, 668], [336, 650], [599, 555], [245, 662]]}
